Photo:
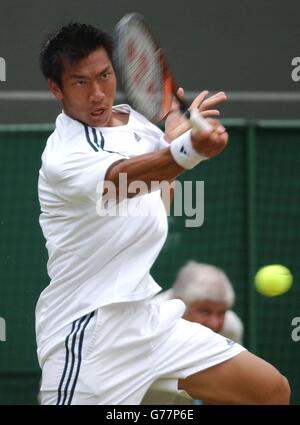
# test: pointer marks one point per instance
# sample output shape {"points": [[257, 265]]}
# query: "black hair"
{"points": [[71, 42]]}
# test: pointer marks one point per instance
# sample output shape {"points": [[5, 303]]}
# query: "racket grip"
{"points": [[198, 122]]}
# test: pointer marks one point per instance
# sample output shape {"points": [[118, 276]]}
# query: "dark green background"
{"points": [[252, 216]]}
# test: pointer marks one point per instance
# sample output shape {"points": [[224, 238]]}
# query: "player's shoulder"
{"points": [[68, 136], [69, 140], [136, 119], [67, 128]]}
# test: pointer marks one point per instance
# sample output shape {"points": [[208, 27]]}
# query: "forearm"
{"points": [[151, 167], [185, 152]]}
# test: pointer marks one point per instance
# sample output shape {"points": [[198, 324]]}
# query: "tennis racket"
{"points": [[143, 72]]}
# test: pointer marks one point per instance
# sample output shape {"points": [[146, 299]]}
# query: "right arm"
{"points": [[161, 165]]}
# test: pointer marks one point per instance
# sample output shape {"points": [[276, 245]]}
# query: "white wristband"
{"points": [[183, 152]]}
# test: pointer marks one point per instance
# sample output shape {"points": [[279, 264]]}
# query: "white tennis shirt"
{"points": [[94, 260]]}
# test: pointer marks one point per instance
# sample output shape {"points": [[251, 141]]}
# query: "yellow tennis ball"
{"points": [[273, 280]]}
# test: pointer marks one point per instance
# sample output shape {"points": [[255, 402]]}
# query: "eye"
{"points": [[80, 83], [105, 75]]}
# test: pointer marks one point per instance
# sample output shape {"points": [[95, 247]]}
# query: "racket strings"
{"points": [[143, 75], [142, 68]]}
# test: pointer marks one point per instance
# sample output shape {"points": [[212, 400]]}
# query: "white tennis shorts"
{"points": [[113, 355]]}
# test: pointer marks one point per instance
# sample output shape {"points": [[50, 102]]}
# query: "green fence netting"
{"points": [[251, 218]]}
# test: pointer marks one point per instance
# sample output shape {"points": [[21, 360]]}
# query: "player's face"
{"points": [[207, 313], [88, 89]]}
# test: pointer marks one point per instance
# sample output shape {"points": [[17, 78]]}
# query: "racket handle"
{"points": [[197, 121]]}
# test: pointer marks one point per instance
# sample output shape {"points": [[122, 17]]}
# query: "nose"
{"points": [[215, 324], [96, 92]]}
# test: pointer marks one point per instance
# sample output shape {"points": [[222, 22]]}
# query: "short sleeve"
{"points": [[79, 178]]}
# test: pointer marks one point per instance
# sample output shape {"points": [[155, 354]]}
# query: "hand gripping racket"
{"points": [[144, 74]]}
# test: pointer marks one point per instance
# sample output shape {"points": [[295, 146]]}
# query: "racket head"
{"points": [[142, 69]]}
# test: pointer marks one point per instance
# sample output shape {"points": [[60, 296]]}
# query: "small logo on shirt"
{"points": [[229, 341], [137, 137], [182, 150]]}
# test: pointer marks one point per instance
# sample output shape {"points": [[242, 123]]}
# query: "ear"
{"points": [[55, 89]]}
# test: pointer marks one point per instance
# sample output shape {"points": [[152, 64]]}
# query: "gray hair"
{"points": [[201, 282]]}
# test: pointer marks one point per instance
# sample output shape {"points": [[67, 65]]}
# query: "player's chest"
{"points": [[129, 143]]}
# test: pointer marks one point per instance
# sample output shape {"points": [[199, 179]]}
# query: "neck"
{"points": [[119, 118]]}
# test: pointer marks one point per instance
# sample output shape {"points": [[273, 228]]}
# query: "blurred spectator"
{"points": [[209, 296]]}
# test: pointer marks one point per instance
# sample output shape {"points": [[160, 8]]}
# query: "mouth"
{"points": [[97, 113]]}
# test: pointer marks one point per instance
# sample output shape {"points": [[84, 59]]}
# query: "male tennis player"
{"points": [[101, 340]]}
